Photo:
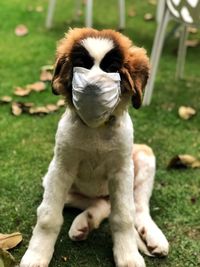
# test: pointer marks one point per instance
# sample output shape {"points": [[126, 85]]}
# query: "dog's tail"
{"points": [[141, 245]]}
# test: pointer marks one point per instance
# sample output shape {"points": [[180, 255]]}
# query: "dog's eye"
{"points": [[112, 61], [84, 62], [113, 67], [81, 58]]}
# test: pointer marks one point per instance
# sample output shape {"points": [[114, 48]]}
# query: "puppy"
{"points": [[96, 167]]}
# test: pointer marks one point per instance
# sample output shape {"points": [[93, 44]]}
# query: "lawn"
{"points": [[26, 142]]}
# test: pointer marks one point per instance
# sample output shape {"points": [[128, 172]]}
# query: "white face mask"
{"points": [[95, 94]]}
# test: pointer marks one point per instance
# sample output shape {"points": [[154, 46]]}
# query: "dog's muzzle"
{"points": [[95, 94]]}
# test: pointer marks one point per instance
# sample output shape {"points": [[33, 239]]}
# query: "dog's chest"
{"points": [[92, 175]]}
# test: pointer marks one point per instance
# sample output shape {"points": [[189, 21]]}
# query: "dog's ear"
{"points": [[135, 74], [61, 81]]}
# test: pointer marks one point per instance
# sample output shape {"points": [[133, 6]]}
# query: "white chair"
{"points": [[187, 13], [88, 11]]}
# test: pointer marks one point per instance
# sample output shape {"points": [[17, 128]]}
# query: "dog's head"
{"points": [[107, 49]]}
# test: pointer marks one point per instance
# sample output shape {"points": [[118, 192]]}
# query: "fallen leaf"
{"points": [[16, 109], [5, 99], [37, 86], [8, 241], [192, 30], [45, 76], [39, 9], [6, 259], [183, 161], [25, 106], [19, 91], [192, 43], [20, 107], [21, 30], [79, 13], [152, 2], [38, 111], [60, 103], [52, 107], [131, 12], [64, 258], [148, 17], [186, 112]]}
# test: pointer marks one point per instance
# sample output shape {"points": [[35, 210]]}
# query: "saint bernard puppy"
{"points": [[96, 167]]}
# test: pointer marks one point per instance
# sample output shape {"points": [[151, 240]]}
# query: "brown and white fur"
{"points": [[99, 170]]}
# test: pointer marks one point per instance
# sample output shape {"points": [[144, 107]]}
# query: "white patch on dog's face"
{"points": [[97, 54], [97, 47]]}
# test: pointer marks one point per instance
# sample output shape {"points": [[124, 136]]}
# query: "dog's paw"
{"points": [[157, 243], [125, 250], [129, 260], [155, 240], [31, 259], [80, 228]]}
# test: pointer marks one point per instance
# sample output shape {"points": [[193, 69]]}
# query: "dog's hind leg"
{"points": [[145, 165], [95, 211]]}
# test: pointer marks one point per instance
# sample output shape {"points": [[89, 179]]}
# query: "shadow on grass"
{"points": [[96, 251]]}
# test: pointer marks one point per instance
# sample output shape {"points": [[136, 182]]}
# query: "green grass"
{"points": [[26, 143]]}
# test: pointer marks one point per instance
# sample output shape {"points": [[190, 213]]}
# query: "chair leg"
{"points": [[155, 56], [88, 17], [181, 53], [50, 12], [160, 11], [121, 4]]}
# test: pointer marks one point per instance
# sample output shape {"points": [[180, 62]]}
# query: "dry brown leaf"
{"points": [[186, 112], [148, 17], [16, 109], [60, 103], [192, 43], [37, 86], [64, 258], [8, 241], [20, 107], [131, 12], [27, 104], [45, 76], [38, 111], [192, 30], [39, 9], [79, 13], [19, 91], [52, 107], [5, 99], [21, 30], [183, 161], [152, 2]]}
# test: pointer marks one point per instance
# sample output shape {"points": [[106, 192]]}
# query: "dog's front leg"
{"points": [[122, 217], [49, 216]]}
